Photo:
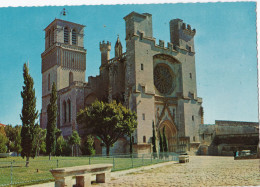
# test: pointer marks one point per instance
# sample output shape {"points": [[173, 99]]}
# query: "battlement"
{"points": [[182, 35], [178, 24], [105, 46], [169, 45], [187, 30]]}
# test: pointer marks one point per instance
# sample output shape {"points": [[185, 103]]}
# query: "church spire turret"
{"points": [[118, 48]]}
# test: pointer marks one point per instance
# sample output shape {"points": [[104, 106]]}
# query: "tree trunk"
{"points": [[131, 145], [107, 149], [36, 151], [27, 161]]}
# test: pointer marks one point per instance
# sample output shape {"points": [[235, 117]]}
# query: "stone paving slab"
{"points": [[200, 171]]}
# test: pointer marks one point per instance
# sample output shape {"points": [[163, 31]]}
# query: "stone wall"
{"points": [[227, 136]]}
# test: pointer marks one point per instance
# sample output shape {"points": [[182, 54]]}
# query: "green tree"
{"points": [[2, 130], [10, 134], [154, 141], [51, 122], [87, 145], [165, 146], [15, 144], [28, 116], [160, 141], [40, 136], [43, 148], [60, 146], [58, 133], [160, 145], [3, 141], [74, 141], [66, 151], [108, 121]]}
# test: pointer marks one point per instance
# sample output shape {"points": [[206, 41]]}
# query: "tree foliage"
{"points": [[13, 135], [165, 145], [87, 146], [60, 146], [160, 141], [39, 140], [3, 141], [51, 122], [154, 140], [15, 145], [28, 116], [74, 141], [10, 134], [108, 121], [2, 130]]}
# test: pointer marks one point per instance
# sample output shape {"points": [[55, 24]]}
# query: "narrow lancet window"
{"points": [[66, 35], [64, 112], [74, 37], [49, 82], [69, 110], [70, 78]]}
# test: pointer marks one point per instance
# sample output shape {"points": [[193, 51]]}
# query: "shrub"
{"points": [[87, 146]]}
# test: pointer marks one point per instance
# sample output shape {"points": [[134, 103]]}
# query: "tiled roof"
{"points": [[2, 124]]}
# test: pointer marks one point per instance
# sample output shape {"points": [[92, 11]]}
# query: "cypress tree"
{"points": [[165, 146], [154, 140], [161, 142], [51, 122], [28, 116]]}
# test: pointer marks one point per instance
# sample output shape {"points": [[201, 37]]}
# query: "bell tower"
{"points": [[63, 61]]}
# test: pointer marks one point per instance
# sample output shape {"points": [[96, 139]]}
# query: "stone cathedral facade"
{"points": [[157, 81]]}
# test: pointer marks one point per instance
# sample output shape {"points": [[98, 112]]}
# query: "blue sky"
{"points": [[225, 46]]}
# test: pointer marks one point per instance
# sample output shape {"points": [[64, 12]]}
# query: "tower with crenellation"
{"points": [[162, 83]]}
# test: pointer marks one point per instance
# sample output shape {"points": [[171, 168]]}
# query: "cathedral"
{"points": [[157, 81]]}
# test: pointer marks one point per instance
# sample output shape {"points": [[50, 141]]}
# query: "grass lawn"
{"points": [[39, 167]]}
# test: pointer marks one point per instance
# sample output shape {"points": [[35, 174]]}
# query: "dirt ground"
{"points": [[200, 171]]}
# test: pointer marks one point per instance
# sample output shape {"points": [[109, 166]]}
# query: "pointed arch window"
{"points": [[66, 35], [49, 82], [74, 37], [52, 36], [70, 78], [69, 110], [49, 38], [64, 112]]}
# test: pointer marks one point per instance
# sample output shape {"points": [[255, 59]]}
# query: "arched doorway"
{"points": [[170, 133]]}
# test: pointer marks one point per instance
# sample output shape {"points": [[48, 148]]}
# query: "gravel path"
{"points": [[200, 171]]}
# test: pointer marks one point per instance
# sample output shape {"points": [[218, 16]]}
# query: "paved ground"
{"points": [[200, 171]]}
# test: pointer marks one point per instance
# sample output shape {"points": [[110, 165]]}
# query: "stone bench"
{"points": [[183, 158], [63, 176]]}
